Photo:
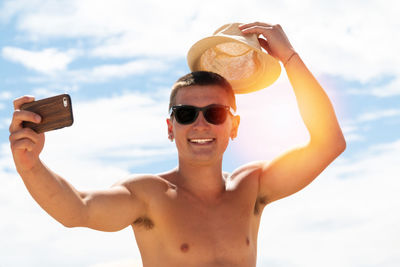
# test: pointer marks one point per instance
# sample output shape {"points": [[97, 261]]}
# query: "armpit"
{"points": [[261, 201], [144, 222]]}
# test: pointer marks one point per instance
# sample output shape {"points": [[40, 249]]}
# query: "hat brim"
{"points": [[268, 73]]}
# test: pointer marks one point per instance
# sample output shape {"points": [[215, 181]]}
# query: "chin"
{"points": [[202, 155], [203, 158]]}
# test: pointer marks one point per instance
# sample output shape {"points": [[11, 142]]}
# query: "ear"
{"points": [[170, 132], [235, 126]]}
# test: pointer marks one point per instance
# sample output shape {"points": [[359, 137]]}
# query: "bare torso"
{"points": [[179, 229]]}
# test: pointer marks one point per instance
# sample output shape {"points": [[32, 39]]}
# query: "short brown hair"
{"points": [[202, 78]]}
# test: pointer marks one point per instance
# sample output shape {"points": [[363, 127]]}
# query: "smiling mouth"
{"points": [[201, 141]]}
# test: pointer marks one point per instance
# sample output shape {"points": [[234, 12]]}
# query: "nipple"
{"points": [[184, 247]]}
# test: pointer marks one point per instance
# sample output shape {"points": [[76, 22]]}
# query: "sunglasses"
{"points": [[214, 113]]}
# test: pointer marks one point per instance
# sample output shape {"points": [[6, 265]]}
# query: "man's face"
{"points": [[202, 142]]}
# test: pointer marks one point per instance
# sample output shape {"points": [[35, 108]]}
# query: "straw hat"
{"points": [[237, 57]]}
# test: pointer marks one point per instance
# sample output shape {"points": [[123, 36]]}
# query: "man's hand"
{"points": [[25, 143], [276, 42]]}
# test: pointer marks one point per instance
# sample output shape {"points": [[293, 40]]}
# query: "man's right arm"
{"points": [[107, 210]]}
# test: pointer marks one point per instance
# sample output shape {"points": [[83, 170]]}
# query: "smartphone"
{"points": [[56, 113]]}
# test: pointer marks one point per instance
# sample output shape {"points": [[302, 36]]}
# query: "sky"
{"points": [[118, 60]]}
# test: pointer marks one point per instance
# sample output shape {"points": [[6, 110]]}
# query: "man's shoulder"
{"points": [[145, 182], [249, 169]]}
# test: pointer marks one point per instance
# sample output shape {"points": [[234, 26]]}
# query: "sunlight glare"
{"points": [[270, 123]]}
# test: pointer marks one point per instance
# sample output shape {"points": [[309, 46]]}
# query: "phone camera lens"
{"points": [[65, 101]]}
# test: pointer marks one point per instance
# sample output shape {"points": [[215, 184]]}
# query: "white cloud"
{"points": [[120, 263], [353, 128], [162, 45], [106, 72], [43, 92], [347, 45], [380, 114], [46, 61], [100, 73], [351, 132], [387, 90], [110, 135], [341, 217], [344, 45], [5, 95]]}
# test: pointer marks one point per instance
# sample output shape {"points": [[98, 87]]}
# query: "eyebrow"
{"points": [[231, 110]]}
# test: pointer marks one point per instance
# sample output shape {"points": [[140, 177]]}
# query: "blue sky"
{"points": [[118, 61]]}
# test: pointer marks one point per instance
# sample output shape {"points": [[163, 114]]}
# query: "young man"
{"points": [[194, 215]]}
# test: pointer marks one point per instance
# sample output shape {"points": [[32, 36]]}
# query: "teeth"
{"points": [[201, 141]]}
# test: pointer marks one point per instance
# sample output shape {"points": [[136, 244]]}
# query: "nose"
{"points": [[200, 121]]}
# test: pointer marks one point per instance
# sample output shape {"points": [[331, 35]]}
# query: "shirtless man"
{"points": [[194, 215]]}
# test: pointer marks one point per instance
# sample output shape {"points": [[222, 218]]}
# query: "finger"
{"points": [[20, 116], [264, 44], [257, 30], [23, 144], [255, 24], [25, 133], [18, 102]]}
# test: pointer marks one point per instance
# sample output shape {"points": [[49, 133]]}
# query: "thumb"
{"points": [[264, 44]]}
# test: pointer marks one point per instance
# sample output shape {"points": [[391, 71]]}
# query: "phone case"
{"points": [[56, 113]]}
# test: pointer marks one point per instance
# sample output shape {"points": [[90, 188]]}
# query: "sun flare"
{"points": [[270, 123]]}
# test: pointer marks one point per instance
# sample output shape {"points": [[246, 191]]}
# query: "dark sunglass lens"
{"points": [[185, 115], [215, 115]]}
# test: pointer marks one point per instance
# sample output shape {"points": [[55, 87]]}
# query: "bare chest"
{"points": [[208, 225], [224, 231]]}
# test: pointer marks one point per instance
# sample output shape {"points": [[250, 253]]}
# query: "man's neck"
{"points": [[204, 181]]}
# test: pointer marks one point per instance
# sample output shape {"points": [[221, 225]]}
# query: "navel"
{"points": [[184, 247], [247, 241]]}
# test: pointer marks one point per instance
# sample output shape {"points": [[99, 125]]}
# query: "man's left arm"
{"points": [[298, 167]]}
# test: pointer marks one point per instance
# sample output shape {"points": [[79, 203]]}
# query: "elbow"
{"points": [[332, 146], [338, 146], [341, 144], [337, 143], [71, 223], [344, 145]]}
